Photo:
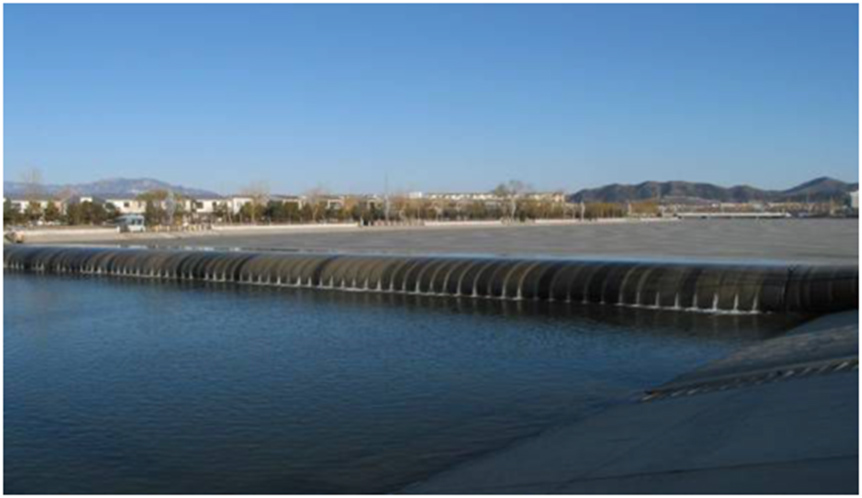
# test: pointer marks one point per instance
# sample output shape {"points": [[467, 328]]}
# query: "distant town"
{"points": [[166, 207]]}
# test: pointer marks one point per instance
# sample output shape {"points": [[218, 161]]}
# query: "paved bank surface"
{"points": [[785, 427], [821, 241]]}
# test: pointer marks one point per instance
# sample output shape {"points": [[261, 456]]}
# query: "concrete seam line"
{"points": [[749, 376], [531, 484], [719, 467]]}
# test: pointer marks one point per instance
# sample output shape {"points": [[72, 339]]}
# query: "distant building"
{"points": [[235, 203], [128, 205], [20, 205], [374, 202], [462, 196], [854, 200], [16, 204], [729, 214], [83, 198], [206, 206], [295, 200], [334, 202], [555, 197]]}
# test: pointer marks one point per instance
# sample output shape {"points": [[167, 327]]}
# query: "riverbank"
{"points": [[80, 235], [793, 240], [777, 417]]}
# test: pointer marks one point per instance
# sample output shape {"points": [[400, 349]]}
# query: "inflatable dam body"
{"points": [[678, 286]]}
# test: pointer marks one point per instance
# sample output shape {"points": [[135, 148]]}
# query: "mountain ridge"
{"points": [[108, 187], [819, 189]]}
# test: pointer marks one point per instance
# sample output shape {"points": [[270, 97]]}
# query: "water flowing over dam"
{"points": [[710, 287]]}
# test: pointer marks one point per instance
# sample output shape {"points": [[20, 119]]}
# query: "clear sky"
{"points": [[437, 97]]}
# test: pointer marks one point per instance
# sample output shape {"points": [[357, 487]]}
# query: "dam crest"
{"points": [[682, 286]]}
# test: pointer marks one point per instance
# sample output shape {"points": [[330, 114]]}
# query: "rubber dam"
{"points": [[678, 286]]}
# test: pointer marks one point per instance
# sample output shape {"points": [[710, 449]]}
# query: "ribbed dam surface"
{"points": [[744, 288]]}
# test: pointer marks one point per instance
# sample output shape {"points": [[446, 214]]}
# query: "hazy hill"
{"points": [[823, 187], [112, 187], [819, 189]]}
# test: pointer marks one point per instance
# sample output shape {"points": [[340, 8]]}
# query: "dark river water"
{"points": [[115, 386]]}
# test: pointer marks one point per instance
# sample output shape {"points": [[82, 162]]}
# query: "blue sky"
{"points": [[437, 97]]}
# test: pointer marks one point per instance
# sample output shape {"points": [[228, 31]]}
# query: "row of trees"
{"points": [[310, 212], [402, 209], [83, 213], [162, 207]]}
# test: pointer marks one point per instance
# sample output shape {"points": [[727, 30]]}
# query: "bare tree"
{"points": [[258, 192], [437, 205], [398, 201], [510, 192], [32, 180], [65, 195], [315, 197]]}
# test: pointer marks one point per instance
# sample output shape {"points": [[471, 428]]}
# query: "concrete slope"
{"points": [[787, 434]]}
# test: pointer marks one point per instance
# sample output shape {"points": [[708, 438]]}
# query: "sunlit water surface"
{"points": [[115, 386]]}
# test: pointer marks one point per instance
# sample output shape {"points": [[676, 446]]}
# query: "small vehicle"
{"points": [[129, 223]]}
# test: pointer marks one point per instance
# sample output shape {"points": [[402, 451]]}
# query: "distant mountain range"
{"points": [[819, 189], [111, 187]]}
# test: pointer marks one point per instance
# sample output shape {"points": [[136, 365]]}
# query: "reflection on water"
{"points": [[139, 386]]}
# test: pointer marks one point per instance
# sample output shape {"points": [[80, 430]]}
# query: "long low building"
{"points": [[731, 214]]}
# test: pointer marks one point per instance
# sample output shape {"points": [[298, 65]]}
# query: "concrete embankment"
{"points": [[780, 417], [112, 234], [676, 286]]}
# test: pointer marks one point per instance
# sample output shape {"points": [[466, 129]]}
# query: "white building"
{"points": [[334, 202], [854, 199], [236, 203], [21, 205], [206, 206], [139, 206], [128, 205], [296, 200], [16, 204], [555, 197], [462, 196]]}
